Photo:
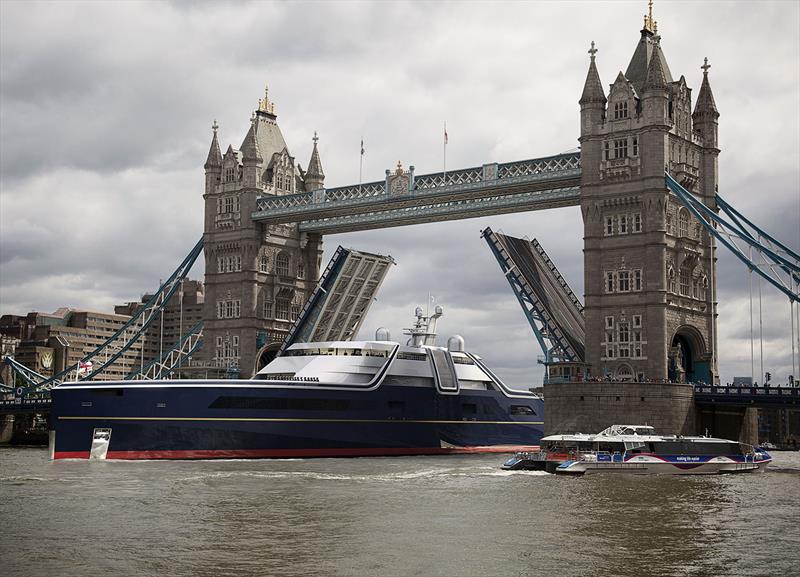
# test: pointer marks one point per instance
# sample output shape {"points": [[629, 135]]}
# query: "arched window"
{"points": [[685, 280], [671, 279], [683, 223], [282, 264]]}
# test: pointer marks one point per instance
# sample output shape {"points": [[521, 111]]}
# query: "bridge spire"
{"points": [[592, 88], [314, 177], [214, 155], [705, 116]]}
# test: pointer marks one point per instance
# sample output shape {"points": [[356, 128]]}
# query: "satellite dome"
{"points": [[382, 334], [439, 310], [455, 344]]}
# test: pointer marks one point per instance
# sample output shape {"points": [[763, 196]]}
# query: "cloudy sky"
{"points": [[106, 109]]}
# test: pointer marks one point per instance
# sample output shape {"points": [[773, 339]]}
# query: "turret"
{"points": [[314, 177], [593, 100], [705, 115], [213, 163], [655, 93], [252, 161]]}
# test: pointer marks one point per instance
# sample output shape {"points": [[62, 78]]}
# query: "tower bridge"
{"points": [[650, 238]]}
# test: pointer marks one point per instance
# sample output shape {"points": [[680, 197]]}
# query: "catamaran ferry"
{"points": [[638, 449], [319, 399]]}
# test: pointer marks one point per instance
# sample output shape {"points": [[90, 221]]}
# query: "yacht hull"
{"points": [[244, 419]]}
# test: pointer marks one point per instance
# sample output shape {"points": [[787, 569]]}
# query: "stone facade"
{"points": [[257, 276], [649, 266], [592, 406]]}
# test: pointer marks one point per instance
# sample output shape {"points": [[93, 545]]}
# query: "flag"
{"points": [[445, 133], [362, 147], [84, 367]]}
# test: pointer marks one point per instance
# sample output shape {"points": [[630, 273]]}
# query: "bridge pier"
{"points": [[590, 407], [6, 429], [737, 423]]}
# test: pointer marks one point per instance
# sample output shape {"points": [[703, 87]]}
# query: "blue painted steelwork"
{"points": [[302, 327], [129, 333], [172, 359], [778, 264], [558, 327], [529, 185], [748, 396]]}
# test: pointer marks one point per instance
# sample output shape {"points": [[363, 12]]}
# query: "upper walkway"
{"points": [[404, 198], [777, 397]]}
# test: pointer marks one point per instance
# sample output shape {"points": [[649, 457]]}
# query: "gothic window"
{"points": [[230, 174], [295, 311], [609, 225], [609, 322], [671, 279], [683, 223], [635, 144], [282, 309], [623, 281], [684, 281], [637, 279], [263, 263], [637, 321], [609, 282], [301, 270], [605, 150], [282, 264], [623, 224], [637, 222], [267, 308], [669, 224], [624, 333], [621, 148], [229, 309], [620, 110]]}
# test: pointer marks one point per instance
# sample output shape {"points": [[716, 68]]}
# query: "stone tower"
{"points": [[649, 266], [257, 276]]}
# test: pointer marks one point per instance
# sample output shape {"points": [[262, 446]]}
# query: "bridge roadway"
{"points": [[404, 198], [758, 397]]}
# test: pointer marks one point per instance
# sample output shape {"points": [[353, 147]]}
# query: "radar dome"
{"points": [[455, 344], [418, 312], [382, 334], [439, 310]]}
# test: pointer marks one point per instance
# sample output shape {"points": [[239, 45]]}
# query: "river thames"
{"points": [[459, 515]]}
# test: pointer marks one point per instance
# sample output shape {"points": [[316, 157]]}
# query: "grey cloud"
{"points": [[106, 124]]}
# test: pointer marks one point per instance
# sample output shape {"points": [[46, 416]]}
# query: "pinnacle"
{"points": [[593, 88], [656, 78], [214, 155], [250, 149], [315, 164]]}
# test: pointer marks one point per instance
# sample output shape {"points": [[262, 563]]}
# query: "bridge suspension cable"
{"points": [[123, 339], [774, 262]]}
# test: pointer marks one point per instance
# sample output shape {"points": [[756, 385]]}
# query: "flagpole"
{"points": [[361, 165], [444, 155]]}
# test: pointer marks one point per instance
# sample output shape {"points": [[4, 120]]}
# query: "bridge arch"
{"points": [[688, 356]]}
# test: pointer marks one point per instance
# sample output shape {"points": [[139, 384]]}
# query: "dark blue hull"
{"points": [[248, 420]]}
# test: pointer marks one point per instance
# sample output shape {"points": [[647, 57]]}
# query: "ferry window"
{"points": [[521, 410], [109, 392]]}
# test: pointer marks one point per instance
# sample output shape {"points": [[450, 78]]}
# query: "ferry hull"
{"points": [[228, 421], [657, 466]]}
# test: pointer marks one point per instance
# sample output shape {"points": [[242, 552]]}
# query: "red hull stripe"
{"points": [[285, 453]]}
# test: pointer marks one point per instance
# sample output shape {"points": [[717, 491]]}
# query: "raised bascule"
{"points": [[646, 180]]}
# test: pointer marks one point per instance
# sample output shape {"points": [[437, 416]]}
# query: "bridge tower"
{"points": [[257, 275], [649, 268]]}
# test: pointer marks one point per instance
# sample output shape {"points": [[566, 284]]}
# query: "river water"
{"points": [[426, 516]]}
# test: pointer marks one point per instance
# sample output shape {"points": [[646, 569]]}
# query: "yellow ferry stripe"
{"points": [[277, 420]]}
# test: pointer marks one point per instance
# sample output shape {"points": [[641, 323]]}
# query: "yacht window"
{"points": [[462, 360], [412, 356], [280, 404], [521, 410]]}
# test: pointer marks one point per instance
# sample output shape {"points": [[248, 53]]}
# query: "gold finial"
{"points": [[215, 126], [650, 24], [265, 105], [316, 138], [705, 67], [253, 118], [399, 169]]}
